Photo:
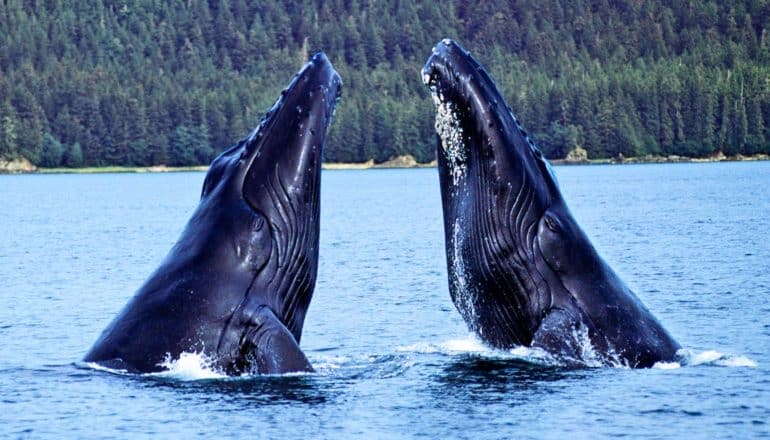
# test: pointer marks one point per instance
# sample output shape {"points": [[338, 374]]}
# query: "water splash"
{"points": [[189, 366], [586, 353], [589, 357], [463, 294], [666, 365]]}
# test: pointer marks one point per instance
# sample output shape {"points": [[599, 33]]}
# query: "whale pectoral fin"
{"points": [[271, 347], [563, 335]]}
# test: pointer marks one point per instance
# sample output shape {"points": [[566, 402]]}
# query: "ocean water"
{"points": [[393, 357]]}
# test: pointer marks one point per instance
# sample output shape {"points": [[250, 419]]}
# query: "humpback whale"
{"points": [[237, 284], [521, 270]]}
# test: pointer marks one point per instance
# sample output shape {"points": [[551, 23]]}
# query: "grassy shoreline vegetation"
{"points": [[92, 83]]}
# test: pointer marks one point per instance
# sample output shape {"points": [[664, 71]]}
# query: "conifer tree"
{"points": [[125, 81]]}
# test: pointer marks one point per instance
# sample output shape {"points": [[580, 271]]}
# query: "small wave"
{"points": [[708, 357], [198, 366], [471, 345], [362, 366], [713, 357], [98, 367], [188, 367], [191, 367], [328, 363], [468, 345]]}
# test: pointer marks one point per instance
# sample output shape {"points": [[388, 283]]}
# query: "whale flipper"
{"points": [[563, 333], [272, 347]]}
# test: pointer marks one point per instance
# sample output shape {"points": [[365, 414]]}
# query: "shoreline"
{"points": [[662, 159], [397, 163]]}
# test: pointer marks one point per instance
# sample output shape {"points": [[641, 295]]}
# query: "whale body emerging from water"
{"points": [[237, 284], [521, 270]]}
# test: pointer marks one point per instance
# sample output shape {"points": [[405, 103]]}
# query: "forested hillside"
{"points": [[145, 82]]}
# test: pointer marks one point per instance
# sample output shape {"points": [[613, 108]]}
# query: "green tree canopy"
{"points": [[148, 82]]}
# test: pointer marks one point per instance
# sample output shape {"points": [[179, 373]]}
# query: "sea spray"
{"points": [[189, 366]]}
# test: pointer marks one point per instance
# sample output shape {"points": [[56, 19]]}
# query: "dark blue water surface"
{"points": [[394, 359]]}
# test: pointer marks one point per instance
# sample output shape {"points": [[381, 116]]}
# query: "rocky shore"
{"points": [[719, 157], [16, 166]]}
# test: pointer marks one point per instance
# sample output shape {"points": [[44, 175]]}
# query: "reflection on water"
{"points": [[265, 390], [495, 379]]}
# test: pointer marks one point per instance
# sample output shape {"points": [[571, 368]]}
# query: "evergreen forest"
{"points": [[174, 82]]}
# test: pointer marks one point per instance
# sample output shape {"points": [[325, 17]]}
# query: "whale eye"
{"points": [[551, 223], [259, 223]]}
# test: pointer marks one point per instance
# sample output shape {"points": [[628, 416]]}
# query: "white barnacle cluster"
{"points": [[449, 130]]}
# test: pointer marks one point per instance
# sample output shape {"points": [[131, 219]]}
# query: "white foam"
{"points": [[95, 366], [420, 347], [472, 345], [737, 361], [467, 345], [589, 357], [534, 355], [666, 365], [713, 357], [707, 358], [330, 362], [189, 366]]}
